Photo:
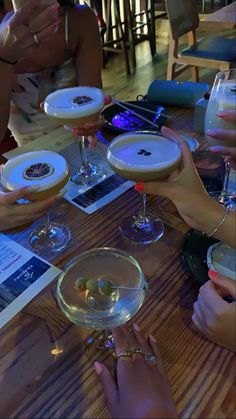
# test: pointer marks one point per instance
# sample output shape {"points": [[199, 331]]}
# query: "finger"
{"points": [[205, 313], [199, 316], [34, 207], [44, 19], [211, 298], [107, 99], [140, 338], [224, 151], [157, 353], [8, 198], [121, 340], [222, 134], [229, 115], [197, 323], [109, 386], [92, 141], [227, 285]]}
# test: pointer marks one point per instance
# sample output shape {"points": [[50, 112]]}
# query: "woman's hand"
{"points": [[91, 128], [141, 388], [213, 316], [225, 135], [18, 29], [13, 214]]}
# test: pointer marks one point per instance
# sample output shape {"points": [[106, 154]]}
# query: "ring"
{"points": [[36, 39], [148, 356], [124, 354], [14, 37]]}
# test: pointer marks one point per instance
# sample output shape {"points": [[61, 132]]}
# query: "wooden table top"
{"points": [[37, 384], [225, 17]]}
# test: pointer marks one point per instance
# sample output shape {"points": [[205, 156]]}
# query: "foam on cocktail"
{"points": [[74, 106], [143, 156], [43, 169]]}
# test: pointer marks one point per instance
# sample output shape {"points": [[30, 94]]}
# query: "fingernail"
{"points": [[97, 367], [136, 327], [33, 188], [212, 273], [152, 339], [139, 187], [221, 114], [211, 132], [215, 148]]}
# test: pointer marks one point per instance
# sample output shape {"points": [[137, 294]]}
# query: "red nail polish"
{"points": [[139, 187], [212, 273]]}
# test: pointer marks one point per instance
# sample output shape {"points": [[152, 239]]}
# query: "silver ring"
{"points": [[36, 39], [126, 353], [148, 356]]}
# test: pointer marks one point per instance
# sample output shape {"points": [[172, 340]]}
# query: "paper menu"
{"points": [[22, 276]]}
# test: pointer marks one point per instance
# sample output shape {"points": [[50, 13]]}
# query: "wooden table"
{"points": [[37, 384], [224, 18]]}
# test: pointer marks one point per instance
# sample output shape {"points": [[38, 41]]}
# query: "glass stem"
{"points": [[83, 153], [226, 178], [142, 221]]}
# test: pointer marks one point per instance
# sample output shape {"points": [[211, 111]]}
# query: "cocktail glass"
{"points": [[143, 157], [74, 107], [222, 98], [89, 308], [47, 173]]}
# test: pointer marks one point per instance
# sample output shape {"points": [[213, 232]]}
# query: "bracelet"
{"points": [[220, 223], [8, 62]]}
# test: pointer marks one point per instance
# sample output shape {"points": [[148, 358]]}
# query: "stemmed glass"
{"points": [[143, 156], [89, 305], [222, 98], [47, 173], [88, 173]]}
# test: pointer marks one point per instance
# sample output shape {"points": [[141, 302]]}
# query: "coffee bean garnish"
{"points": [[81, 100], [144, 152]]}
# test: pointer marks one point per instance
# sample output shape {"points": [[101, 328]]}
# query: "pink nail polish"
{"points": [[213, 274], [139, 187]]}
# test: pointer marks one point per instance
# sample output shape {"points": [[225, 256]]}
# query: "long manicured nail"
{"points": [[213, 274], [139, 187], [152, 339], [136, 327], [221, 114], [216, 148], [211, 132], [97, 367]]}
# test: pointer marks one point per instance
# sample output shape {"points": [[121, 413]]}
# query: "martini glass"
{"points": [[222, 98], [87, 307], [74, 107], [143, 156], [47, 173]]}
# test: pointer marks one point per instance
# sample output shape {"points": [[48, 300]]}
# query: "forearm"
{"points": [[207, 215], [6, 73]]}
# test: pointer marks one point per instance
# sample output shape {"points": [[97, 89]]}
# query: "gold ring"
{"points": [[124, 354]]}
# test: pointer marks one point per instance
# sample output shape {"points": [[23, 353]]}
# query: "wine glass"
{"points": [[74, 107], [47, 173], [222, 98], [101, 289], [143, 156]]}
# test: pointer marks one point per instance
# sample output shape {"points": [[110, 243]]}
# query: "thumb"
{"points": [[227, 285], [109, 386], [9, 198]]}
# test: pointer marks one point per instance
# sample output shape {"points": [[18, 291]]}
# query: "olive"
{"points": [[105, 287], [92, 285], [81, 283]]}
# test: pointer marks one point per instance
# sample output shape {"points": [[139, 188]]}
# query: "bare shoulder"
{"points": [[82, 15], [83, 26]]}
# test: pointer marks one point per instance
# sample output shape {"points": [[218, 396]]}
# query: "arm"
{"points": [[6, 72], [88, 53]]}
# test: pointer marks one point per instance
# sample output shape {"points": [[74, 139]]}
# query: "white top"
{"points": [[42, 168], [74, 102], [143, 152]]}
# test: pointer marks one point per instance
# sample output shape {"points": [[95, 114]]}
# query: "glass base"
{"points": [[227, 199], [53, 237], [100, 346], [89, 174], [144, 231]]}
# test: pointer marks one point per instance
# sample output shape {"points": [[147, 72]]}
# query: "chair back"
{"points": [[183, 16]]}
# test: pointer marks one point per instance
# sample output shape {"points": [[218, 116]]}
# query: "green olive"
{"points": [[105, 287], [92, 285], [81, 283]]}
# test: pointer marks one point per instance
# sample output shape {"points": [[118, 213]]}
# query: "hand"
{"points": [[13, 214], [90, 129], [17, 29], [141, 389], [225, 135], [184, 186], [213, 316]]}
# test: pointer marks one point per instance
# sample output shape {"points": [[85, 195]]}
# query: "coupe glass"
{"points": [[143, 156], [90, 309], [222, 98]]}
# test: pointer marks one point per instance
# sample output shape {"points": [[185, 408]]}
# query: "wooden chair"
{"points": [[213, 52]]}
